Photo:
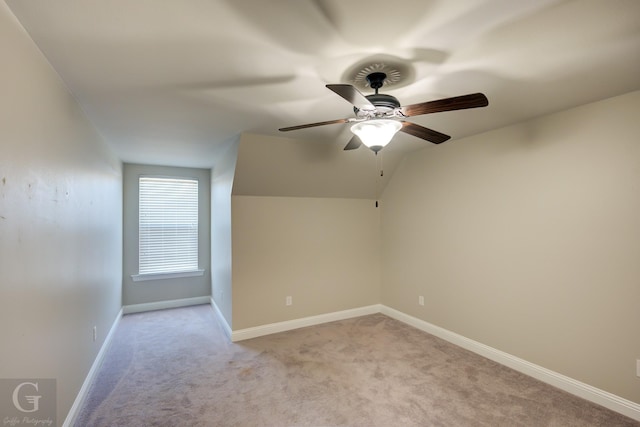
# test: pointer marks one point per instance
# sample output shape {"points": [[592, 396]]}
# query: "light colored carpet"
{"points": [[177, 368]]}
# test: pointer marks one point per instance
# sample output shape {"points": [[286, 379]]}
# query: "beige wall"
{"points": [[527, 239], [164, 289], [221, 186], [322, 252], [60, 228], [288, 167]]}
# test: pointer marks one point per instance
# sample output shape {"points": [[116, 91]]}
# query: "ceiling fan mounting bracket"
{"points": [[376, 80]]}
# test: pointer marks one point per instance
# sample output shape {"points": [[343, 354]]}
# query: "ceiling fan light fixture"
{"points": [[376, 133]]}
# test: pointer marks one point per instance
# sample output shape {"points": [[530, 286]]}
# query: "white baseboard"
{"points": [[82, 394], [161, 305], [223, 321], [272, 328], [580, 389]]}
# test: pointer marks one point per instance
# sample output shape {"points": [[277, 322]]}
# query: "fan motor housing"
{"points": [[381, 100]]}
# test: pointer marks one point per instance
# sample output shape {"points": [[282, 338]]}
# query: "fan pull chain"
{"points": [[381, 174], [376, 187]]}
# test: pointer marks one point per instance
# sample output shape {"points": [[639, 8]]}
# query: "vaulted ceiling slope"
{"points": [[172, 82]]}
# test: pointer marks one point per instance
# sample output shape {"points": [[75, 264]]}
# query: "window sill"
{"points": [[160, 276]]}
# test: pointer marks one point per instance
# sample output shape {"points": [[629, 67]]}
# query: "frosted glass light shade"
{"points": [[376, 133]]}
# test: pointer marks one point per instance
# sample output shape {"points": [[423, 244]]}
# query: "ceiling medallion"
{"points": [[398, 72], [393, 75]]}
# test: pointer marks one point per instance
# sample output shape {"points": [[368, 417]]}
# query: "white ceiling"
{"points": [[169, 82]]}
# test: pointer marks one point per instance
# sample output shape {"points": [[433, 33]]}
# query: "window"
{"points": [[168, 228]]}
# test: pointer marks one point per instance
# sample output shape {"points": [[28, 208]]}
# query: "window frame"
{"points": [[168, 274]]}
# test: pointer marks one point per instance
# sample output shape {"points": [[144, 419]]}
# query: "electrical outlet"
{"points": [[95, 333], [289, 300], [421, 300], [638, 367]]}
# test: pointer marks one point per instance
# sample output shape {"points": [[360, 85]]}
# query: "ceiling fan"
{"points": [[379, 116]]}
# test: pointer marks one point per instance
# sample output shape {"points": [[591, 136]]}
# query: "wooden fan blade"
{"points": [[473, 100], [424, 133], [353, 143], [310, 125], [352, 95]]}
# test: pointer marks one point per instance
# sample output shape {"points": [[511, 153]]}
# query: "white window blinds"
{"points": [[168, 223]]}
